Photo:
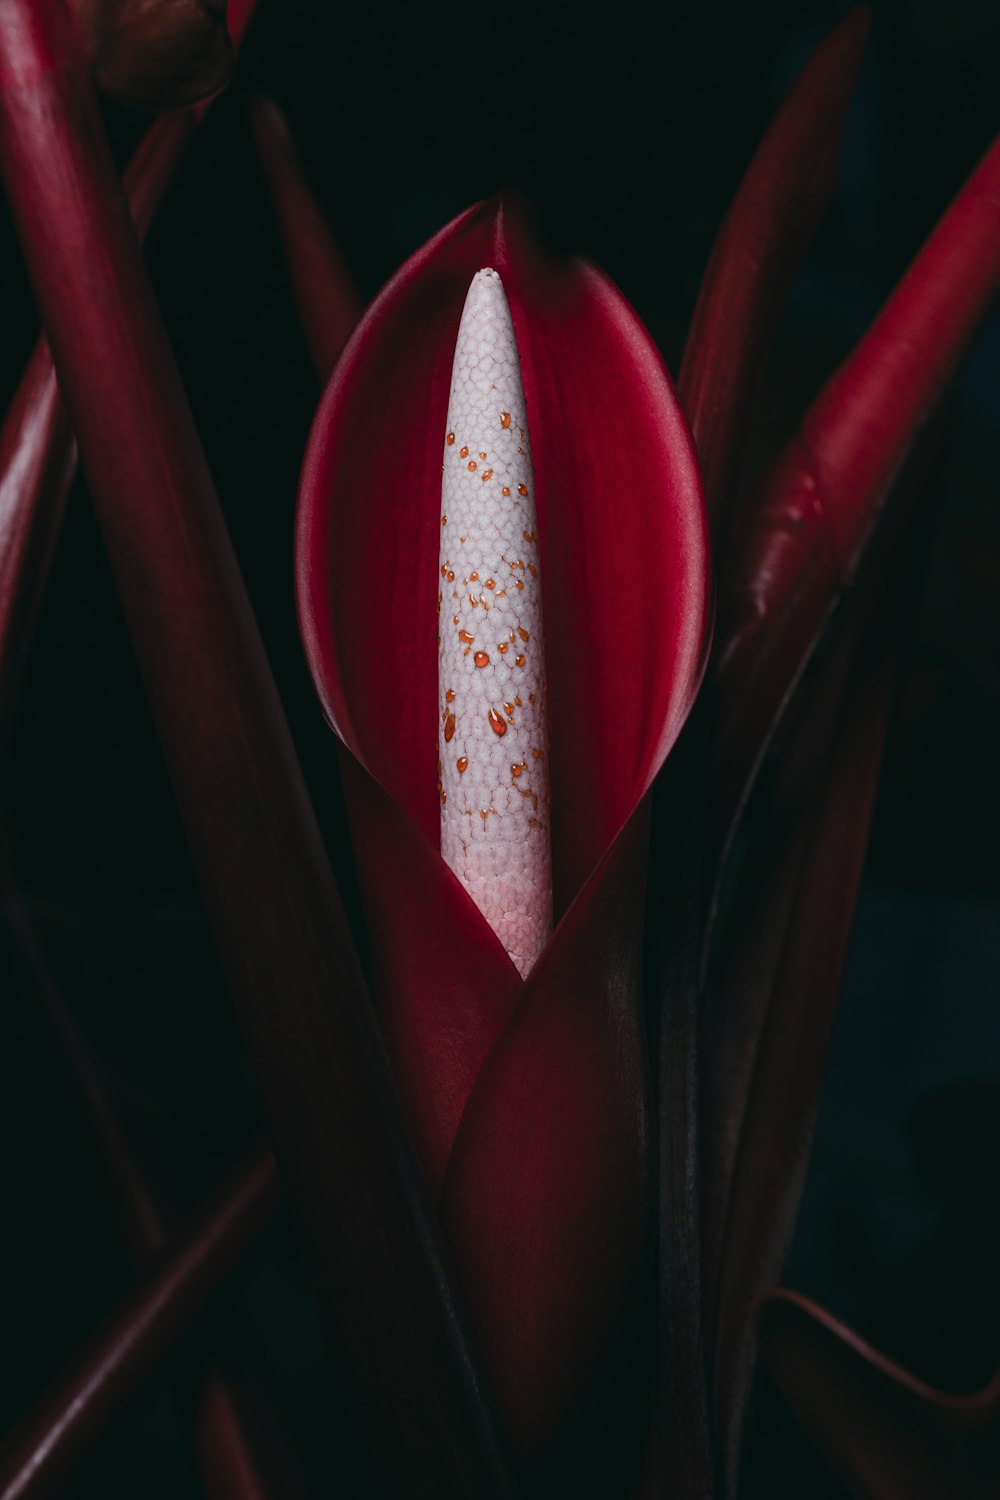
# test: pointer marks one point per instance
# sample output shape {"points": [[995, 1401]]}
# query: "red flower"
{"points": [[529, 1100]]}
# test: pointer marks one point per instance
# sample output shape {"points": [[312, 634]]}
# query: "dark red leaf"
{"points": [[265, 875], [773, 1003], [541, 1087], [888, 1434], [784, 195], [328, 301], [800, 540], [37, 449], [128, 1353]]}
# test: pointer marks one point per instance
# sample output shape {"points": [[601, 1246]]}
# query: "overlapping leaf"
{"points": [[264, 872], [529, 1099]]}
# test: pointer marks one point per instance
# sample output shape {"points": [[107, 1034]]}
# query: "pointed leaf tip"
{"points": [[803, 535], [781, 200]]}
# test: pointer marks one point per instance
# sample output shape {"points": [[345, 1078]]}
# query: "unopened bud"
{"points": [[158, 54]]}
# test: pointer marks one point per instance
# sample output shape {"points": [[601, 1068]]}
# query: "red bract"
{"points": [[528, 1100], [801, 539]]}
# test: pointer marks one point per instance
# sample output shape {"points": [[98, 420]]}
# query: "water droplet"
{"points": [[481, 659], [490, 583], [508, 709], [449, 729], [449, 696], [472, 578], [444, 520], [516, 770], [462, 764], [450, 576], [482, 455], [524, 634], [505, 490], [503, 648], [505, 419], [471, 465], [487, 474], [450, 439], [463, 452], [464, 635], [496, 723], [522, 489], [520, 660]]}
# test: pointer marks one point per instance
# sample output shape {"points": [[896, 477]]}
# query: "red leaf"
{"points": [[328, 301], [772, 1005], [782, 198], [800, 541], [229, 1452], [126, 1354], [37, 449], [264, 872], [888, 1434], [547, 1078]]}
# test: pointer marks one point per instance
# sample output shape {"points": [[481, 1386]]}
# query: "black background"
{"points": [[629, 129]]}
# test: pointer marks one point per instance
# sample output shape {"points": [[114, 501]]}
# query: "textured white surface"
{"points": [[492, 739]]}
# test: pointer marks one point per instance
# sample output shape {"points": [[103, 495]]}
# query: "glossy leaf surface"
{"points": [[801, 538]]}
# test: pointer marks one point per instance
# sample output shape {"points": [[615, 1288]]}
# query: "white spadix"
{"points": [[493, 741]]}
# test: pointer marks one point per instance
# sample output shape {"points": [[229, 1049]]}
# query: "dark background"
{"points": [[629, 129]]}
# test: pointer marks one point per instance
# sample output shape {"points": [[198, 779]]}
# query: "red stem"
{"points": [[128, 1352], [328, 301], [229, 1456], [37, 448], [271, 897], [801, 541], [782, 199]]}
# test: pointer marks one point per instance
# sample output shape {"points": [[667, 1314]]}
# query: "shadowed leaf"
{"points": [[265, 875]]}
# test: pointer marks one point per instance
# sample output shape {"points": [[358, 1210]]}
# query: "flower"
{"points": [[528, 1098]]}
